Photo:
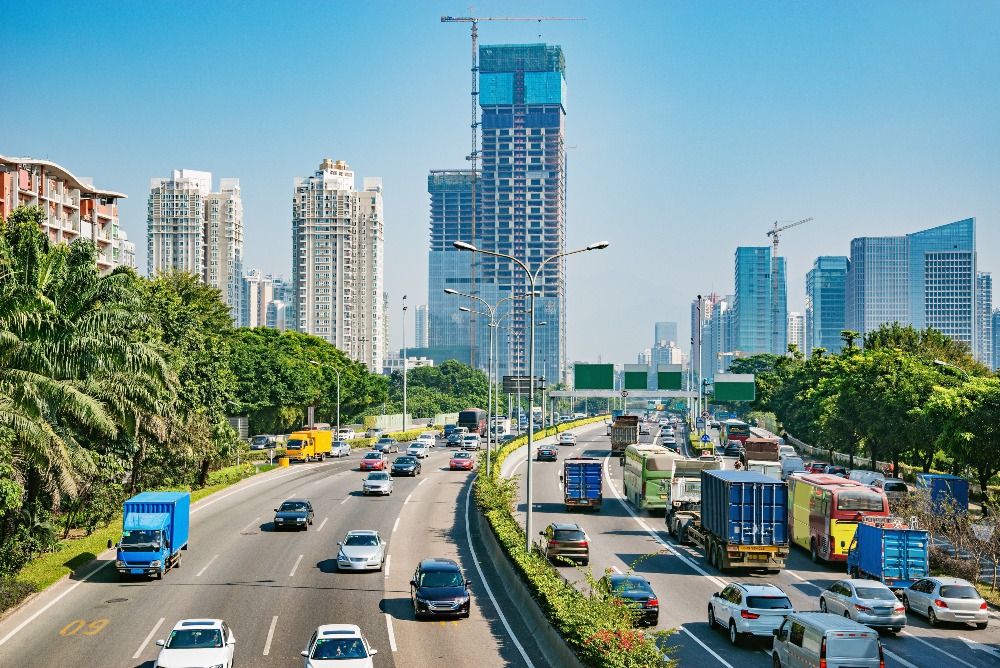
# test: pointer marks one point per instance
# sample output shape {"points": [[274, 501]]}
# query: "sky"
{"points": [[692, 126]]}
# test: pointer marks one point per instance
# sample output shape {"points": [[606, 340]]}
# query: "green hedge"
{"points": [[600, 630]]}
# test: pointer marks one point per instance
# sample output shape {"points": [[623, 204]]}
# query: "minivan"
{"points": [[809, 639], [790, 465]]}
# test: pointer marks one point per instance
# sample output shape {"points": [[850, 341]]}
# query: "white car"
{"points": [[340, 449], [418, 450], [197, 642], [471, 442], [346, 434], [340, 645], [377, 482], [429, 438], [566, 438], [361, 550], [748, 610]]}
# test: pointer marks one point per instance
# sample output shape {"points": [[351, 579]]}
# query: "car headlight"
{"points": [[119, 563], [155, 563]]}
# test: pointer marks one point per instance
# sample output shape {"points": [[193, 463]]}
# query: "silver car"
{"points": [[340, 449], [361, 551], [417, 450], [377, 482], [747, 609], [866, 601], [946, 600]]}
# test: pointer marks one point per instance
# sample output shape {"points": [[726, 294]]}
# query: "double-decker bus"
{"points": [[473, 419], [824, 511], [734, 430], [646, 466]]}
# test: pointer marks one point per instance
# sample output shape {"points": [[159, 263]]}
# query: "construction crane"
{"points": [[474, 153], [777, 324]]}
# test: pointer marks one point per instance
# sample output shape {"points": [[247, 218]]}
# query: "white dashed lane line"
{"points": [[145, 642], [296, 566], [270, 635]]}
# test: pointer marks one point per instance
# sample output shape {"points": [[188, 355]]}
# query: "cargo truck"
{"points": [[760, 450], [743, 521], [889, 552], [309, 444], [624, 432], [154, 531], [582, 487], [682, 492], [945, 490]]}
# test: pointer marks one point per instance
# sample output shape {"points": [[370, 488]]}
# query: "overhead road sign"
{"points": [[594, 377], [521, 384], [632, 394], [635, 377], [734, 387], [669, 376]]}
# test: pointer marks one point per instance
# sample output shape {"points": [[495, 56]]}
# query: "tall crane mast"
{"points": [[776, 320], [474, 153]]}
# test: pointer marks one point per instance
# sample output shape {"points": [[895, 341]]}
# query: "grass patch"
{"points": [[992, 597]]}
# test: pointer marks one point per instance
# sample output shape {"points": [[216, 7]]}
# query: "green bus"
{"points": [[646, 465]]}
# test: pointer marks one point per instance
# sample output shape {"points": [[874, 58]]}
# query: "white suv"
{"points": [[747, 609]]}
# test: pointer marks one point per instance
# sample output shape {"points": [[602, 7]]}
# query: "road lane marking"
{"points": [[388, 561], [145, 642], [198, 575], [270, 635], [978, 646], [937, 649], [392, 636], [616, 569], [421, 482], [249, 525], [896, 657], [706, 648], [486, 586], [796, 575], [206, 504], [406, 500], [322, 524], [297, 562], [346, 499], [395, 525]]}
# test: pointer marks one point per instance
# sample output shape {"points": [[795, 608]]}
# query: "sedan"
{"points": [[644, 429], [377, 482], [340, 449], [438, 587], [297, 513], [386, 445], [946, 600], [418, 450], [341, 645], [373, 461], [733, 449], [636, 592], [867, 602], [361, 551], [461, 461], [834, 469], [405, 465], [566, 438], [547, 453], [198, 642]]}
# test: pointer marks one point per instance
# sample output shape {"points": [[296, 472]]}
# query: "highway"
{"points": [[621, 537], [274, 589]]}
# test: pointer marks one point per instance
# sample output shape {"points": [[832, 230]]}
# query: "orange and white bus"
{"points": [[824, 511]]}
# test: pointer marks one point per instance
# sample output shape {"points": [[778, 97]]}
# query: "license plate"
{"points": [[758, 548], [135, 571], [758, 556]]}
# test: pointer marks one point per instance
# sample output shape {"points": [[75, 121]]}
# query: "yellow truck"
{"points": [[309, 444]]}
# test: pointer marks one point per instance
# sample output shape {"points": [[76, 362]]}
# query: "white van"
{"points": [[809, 639], [790, 465], [786, 451]]}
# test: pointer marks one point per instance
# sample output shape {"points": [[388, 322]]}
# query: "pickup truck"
{"points": [[154, 531]]}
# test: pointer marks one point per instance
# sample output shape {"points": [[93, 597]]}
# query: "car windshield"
{"points": [[140, 538], [294, 444], [361, 540], [332, 649], [958, 591], [875, 593], [259, 440], [769, 602], [373, 455], [894, 486], [461, 455], [386, 440], [437, 579], [629, 584], [859, 500], [378, 476], [405, 460], [194, 639], [292, 506]]}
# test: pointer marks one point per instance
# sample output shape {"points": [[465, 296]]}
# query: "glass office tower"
{"points": [[826, 306], [760, 311]]}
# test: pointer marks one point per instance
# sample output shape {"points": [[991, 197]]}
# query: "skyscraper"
{"points": [[984, 352], [877, 280], [665, 331], [796, 330], [826, 308], [420, 326], [755, 309], [337, 262], [224, 243]]}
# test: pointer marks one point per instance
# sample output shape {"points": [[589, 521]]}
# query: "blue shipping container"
{"points": [[171, 511], [895, 557], [744, 507], [582, 481], [945, 488]]}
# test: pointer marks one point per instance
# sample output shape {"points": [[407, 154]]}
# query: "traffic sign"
{"points": [[624, 393], [705, 438], [705, 414]]}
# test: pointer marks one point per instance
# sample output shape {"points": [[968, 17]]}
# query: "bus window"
{"points": [[859, 500]]}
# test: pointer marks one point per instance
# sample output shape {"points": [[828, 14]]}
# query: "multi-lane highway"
{"points": [[621, 537], [274, 589]]}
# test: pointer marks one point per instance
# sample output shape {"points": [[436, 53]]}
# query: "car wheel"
{"points": [[906, 602], [822, 605], [981, 625], [775, 660], [847, 614], [311, 520], [734, 635], [711, 616], [932, 617], [276, 527]]}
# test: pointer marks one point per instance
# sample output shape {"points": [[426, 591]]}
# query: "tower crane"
{"points": [[777, 323], [474, 154]]}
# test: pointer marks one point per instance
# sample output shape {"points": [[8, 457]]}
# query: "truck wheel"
{"points": [[813, 553], [710, 554], [177, 560], [159, 575], [822, 605], [777, 661], [720, 559]]}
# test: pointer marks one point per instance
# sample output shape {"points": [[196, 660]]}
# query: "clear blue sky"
{"points": [[695, 125]]}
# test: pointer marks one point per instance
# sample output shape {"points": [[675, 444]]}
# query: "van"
{"points": [[790, 465], [785, 451], [809, 639]]}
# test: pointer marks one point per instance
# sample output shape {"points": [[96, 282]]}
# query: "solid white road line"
{"points": [[345, 500], [616, 569], [392, 636], [145, 642], [270, 634], [249, 525], [388, 562], [897, 658], [421, 482], [395, 525], [322, 524], [706, 648], [936, 649], [486, 586], [297, 562], [198, 574], [206, 504], [406, 500]]}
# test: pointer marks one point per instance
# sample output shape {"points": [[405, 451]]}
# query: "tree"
{"points": [[970, 432], [928, 344]]}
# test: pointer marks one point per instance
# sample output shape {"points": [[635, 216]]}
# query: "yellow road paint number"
{"points": [[93, 628]]}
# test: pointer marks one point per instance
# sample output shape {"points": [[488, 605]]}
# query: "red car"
{"points": [[373, 461], [461, 461], [816, 467]]}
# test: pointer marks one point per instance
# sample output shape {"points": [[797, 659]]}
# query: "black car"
{"points": [[438, 588], [733, 449], [448, 428], [636, 592], [295, 513], [547, 453], [406, 465]]}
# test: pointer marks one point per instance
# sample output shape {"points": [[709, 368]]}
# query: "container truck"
{"points": [[742, 523], [581, 480], [309, 444], [624, 432], [682, 492], [154, 531], [889, 552], [760, 450]]}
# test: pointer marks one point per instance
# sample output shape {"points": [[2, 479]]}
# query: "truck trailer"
{"points": [[154, 531], [887, 550], [582, 486], [624, 432]]}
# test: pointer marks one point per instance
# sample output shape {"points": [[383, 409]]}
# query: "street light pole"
{"points": [[532, 280], [952, 366], [404, 362]]}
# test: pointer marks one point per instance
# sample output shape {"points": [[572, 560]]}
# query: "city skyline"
{"points": [[894, 135]]}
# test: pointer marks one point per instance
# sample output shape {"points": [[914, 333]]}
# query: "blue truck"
{"points": [[582, 484], [743, 521], [889, 552], [945, 490], [154, 531]]}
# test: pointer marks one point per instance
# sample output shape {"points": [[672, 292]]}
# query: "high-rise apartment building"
{"points": [[191, 228], [73, 207], [826, 305], [796, 330], [755, 310], [337, 262], [664, 331], [984, 352], [420, 328], [996, 338]]}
